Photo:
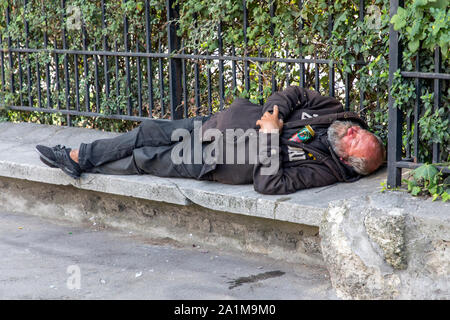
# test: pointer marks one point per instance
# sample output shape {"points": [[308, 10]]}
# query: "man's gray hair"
{"points": [[336, 132]]}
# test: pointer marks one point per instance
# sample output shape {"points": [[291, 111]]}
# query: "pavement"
{"points": [[46, 259]]}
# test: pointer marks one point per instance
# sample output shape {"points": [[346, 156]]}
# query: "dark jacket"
{"points": [[297, 107]]}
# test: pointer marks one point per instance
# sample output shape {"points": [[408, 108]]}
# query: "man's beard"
{"points": [[336, 131]]}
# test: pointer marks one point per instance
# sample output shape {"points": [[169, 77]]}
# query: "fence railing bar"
{"points": [[184, 56], [233, 67], [184, 84], [394, 150], [437, 97], [347, 91], [127, 62], [331, 67], [86, 68], [10, 57], [97, 85], [316, 75], [139, 79], [116, 61], [196, 74], [27, 44], [208, 79], [361, 91], [246, 65], [58, 85], [38, 82], [161, 80], [272, 10], [426, 75], [417, 84], [2, 61], [105, 48], [260, 81], [77, 82], [221, 77], [175, 74], [288, 71], [300, 46], [413, 165], [47, 70], [66, 62], [148, 46], [78, 113], [19, 61]]}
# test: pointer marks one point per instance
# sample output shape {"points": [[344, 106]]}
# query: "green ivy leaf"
{"points": [[426, 172], [415, 191]]}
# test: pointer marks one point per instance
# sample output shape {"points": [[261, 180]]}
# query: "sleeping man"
{"points": [[298, 139]]}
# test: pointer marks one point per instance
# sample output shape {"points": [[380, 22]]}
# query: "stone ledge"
{"points": [[20, 160]]}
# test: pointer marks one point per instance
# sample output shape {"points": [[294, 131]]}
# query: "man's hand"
{"points": [[269, 121]]}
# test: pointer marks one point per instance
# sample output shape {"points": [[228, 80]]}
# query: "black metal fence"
{"points": [[160, 78], [62, 86], [408, 157]]}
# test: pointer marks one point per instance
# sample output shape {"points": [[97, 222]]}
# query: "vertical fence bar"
{"points": [[97, 85], [300, 45], [185, 85], [288, 71], [161, 80], [105, 48], [27, 44], [47, 70], [148, 47], [2, 61], [361, 18], [139, 78], [58, 88], [86, 69], [316, 74], [127, 62], [437, 97], [116, 65], [196, 74], [260, 81], [331, 66], [208, 74], [19, 61], [395, 115], [38, 82], [347, 91], [66, 62], [272, 10], [221, 79], [246, 66], [233, 68], [10, 57], [175, 72], [77, 82], [417, 111]]}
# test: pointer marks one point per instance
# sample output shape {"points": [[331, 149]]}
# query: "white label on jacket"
{"points": [[296, 153], [307, 115]]}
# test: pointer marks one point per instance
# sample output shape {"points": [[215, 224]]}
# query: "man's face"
{"points": [[359, 143], [351, 140]]}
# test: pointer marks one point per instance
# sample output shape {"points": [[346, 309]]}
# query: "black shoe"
{"points": [[59, 157]]}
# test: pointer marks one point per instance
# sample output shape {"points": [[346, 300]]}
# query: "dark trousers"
{"points": [[146, 149]]}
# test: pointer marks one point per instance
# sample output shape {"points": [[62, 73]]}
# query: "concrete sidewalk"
{"points": [[18, 159], [37, 253]]}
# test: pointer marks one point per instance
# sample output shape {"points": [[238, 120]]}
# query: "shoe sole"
{"points": [[54, 164]]}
